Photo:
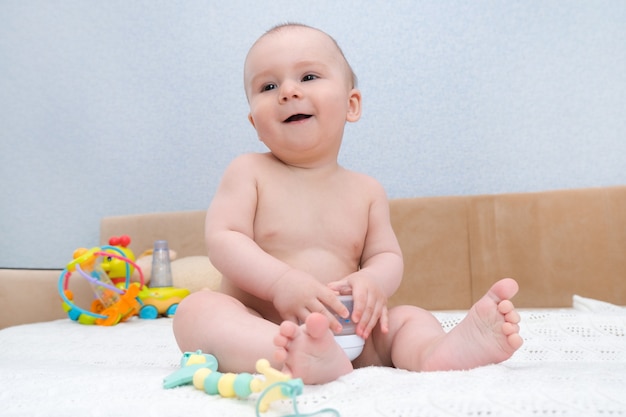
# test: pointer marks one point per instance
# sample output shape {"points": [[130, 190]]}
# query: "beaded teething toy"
{"points": [[200, 369]]}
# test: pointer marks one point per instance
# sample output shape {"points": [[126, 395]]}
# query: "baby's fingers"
{"points": [[340, 287], [334, 305], [369, 318], [384, 320]]}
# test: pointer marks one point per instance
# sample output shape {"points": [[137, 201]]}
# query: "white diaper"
{"points": [[351, 344]]}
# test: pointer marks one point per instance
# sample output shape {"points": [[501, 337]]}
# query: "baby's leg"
{"points": [[235, 336], [310, 351], [488, 334]]}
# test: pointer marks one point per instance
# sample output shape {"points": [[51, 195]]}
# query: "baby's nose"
{"points": [[289, 90]]}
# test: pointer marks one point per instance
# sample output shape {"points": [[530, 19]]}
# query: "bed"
{"points": [[566, 248]]}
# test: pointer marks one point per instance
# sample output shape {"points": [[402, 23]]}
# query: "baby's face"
{"points": [[300, 94]]}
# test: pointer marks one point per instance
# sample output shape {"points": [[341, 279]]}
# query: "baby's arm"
{"points": [[230, 242], [381, 269]]}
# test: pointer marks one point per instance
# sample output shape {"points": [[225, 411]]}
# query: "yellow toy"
{"points": [[160, 298], [160, 301], [115, 267]]}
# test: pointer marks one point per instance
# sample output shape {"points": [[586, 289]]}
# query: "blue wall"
{"points": [[119, 107]]}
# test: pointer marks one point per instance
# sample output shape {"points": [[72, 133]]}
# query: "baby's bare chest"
{"points": [[328, 219]]}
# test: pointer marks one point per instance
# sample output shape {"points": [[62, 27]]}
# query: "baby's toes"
{"points": [[288, 329], [509, 328], [505, 307], [280, 340], [515, 341], [512, 317]]}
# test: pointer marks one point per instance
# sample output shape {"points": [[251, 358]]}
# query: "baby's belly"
{"points": [[325, 264]]}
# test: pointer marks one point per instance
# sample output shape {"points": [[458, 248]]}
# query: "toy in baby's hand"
{"points": [[201, 370], [113, 303]]}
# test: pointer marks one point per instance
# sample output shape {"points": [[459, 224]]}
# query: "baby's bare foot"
{"points": [[310, 351], [488, 334]]}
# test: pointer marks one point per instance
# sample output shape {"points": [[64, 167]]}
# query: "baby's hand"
{"points": [[370, 302], [298, 294]]}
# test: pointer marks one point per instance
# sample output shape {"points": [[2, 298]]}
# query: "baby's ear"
{"points": [[354, 105], [251, 120]]}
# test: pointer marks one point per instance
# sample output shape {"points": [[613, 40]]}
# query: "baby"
{"points": [[291, 230]]}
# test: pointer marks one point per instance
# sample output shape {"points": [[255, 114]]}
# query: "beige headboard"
{"points": [[555, 243], [184, 231]]}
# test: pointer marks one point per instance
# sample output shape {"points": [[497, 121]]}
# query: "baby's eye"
{"points": [[268, 87], [309, 77]]}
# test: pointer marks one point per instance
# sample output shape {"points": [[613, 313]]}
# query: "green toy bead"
{"points": [[210, 383], [242, 385]]}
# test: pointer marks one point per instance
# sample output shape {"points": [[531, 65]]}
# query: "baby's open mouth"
{"points": [[297, 118]]}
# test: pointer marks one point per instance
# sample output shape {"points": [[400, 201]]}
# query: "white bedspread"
{"points": [[573, 363]]}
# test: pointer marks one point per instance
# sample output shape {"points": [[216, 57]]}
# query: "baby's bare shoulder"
{"points": [[253, 163], [247, 159], [366, 184]]}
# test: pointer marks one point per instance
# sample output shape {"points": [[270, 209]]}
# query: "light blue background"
{"points": [[119, 107]]}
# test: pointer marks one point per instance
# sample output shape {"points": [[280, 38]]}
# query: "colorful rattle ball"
{"points": [[114, 302]]}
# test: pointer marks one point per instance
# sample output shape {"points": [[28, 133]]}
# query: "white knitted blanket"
{"points": [[573, 363]]}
